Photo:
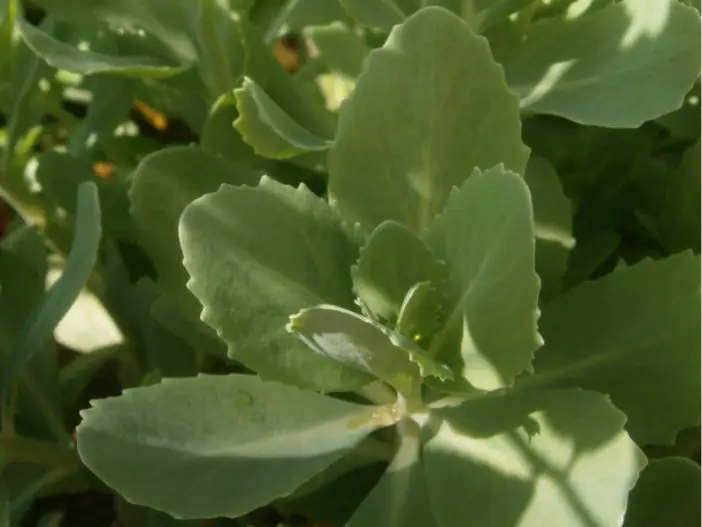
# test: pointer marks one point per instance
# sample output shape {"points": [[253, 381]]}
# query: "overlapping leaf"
{"points": [[398, 153]]}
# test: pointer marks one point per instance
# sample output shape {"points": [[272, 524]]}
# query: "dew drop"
{"points": [[244, 398]]}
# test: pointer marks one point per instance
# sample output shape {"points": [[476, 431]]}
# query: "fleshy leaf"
{"points": [[64, 56], [485, 234], [553, 224], [164, 183], [529, 459], [420, 312], [401, 497], [354, 341], [398, 153], [390, 263], [257, 255], [215, 445], [667, 493], [269, 130], [634, 335], [381, 14], [579, 69]]}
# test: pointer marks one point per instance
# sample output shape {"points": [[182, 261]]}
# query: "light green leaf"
{"points": [[215, 445], [379, 14], [530, 459], [164, 183], [355, 342], [485, 234], [269, 130], [420, 312], [67, 57], [270, 251], [39, 328], [553, 224], [597, 69], [390, 263], [667, 493], [339, 48], [401, 497], [398, 152], [634, 335]]}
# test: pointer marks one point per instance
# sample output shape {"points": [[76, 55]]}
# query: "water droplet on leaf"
{"points": [[244, 398]]}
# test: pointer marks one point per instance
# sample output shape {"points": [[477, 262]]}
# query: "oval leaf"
{"points": [[399, 151], [215, 445], [257, 255], [609, 81], [486, 236], [634, 335], [530, 459]]}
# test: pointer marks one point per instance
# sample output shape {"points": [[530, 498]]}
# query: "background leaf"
{"points": [[633, 335], [579, 68], [485, 235], [667, 493], [397, 154]]}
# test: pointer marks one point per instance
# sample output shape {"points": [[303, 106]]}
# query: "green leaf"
{"points": [[67, 57], [398, 152], [530, 458], [667, 493], [271, 251], [390, 263], [215, 445], [355, 342], [597, 69], [485, 234], [4, 506], [401, 498], [60, 176], [553, 225], [39, 328], [339, 48], [420, 313], [164, 183], [269, 130], [379, 14], [634, 335]]}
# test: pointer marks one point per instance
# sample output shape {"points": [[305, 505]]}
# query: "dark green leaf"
{"points": [[634, 335], [667, 493]]}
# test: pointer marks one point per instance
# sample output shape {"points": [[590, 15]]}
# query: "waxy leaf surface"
{"points": [[398, 152], [258, 255], [634, 335], [530, 459], [618, 67], [485, 234], [215, 445], [390, 263]]}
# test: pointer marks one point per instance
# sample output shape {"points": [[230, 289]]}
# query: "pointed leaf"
{"points": [[215, 445], [634, 335], [529, 459], [431, 105], [67, 57], [401, 497], [553, 225], [485, 234], [390, 263], [667, 493], [269, 130], [556, 73], [270, 251]]}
